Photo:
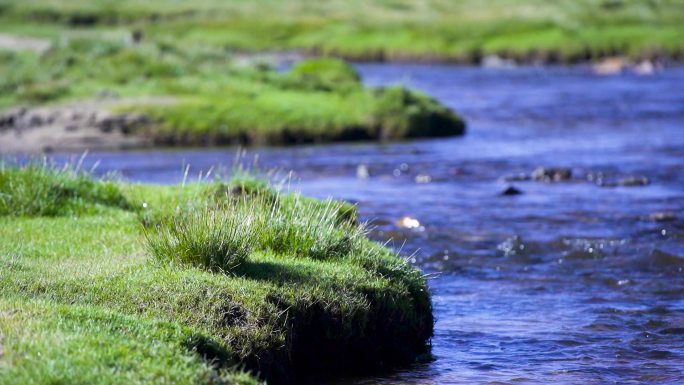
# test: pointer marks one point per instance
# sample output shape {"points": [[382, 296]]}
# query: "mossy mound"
{"points": [[324, 74], [293, 309]]}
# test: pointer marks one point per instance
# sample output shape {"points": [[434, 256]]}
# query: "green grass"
{"points": [[83, 300], [460, 30], [46, 343]]}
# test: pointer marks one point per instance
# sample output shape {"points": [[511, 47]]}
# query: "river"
{"points": [[575, 282]]}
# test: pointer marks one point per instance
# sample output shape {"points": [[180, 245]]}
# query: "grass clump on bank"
{"points": [[218, 228], [294, 308], [36, 189], [219, 240]]}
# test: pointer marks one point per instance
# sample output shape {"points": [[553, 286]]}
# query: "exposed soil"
{"points": [[22, 43], [88, 125]]}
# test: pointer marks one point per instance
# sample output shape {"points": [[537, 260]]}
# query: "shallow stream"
{"points": [[579, 281]]}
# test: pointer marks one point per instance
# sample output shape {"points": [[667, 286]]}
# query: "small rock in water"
{"points": [[511, 190], [422, 178], [634, 181], [663, 216], [362, 171], [497, 62], [610, 66], [645, 67], [409, 223], [551, 174]]}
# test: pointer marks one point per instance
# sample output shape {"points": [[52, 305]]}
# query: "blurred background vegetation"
{"points": [[375, 30], [193, 73]]}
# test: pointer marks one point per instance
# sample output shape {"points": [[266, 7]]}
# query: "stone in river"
{"points": [[511, 190], [551, 174], [646, 67], [422, 178], [610, 66], [409, 223], [362, 171], [663, 216], [634, 181]]}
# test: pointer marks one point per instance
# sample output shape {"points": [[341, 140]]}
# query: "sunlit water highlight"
{"points": [[568, 283]]}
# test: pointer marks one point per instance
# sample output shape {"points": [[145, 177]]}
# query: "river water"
{"points": [[570, 282]]}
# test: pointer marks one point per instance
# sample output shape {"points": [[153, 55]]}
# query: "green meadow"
{"points": [[446, 30], [208, 283]]}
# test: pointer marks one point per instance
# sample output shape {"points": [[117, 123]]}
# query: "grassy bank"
{"points": [[445, 30], [105, 282]]}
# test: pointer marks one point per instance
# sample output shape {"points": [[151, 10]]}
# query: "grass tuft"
{"points": [[296, 227], [41, 189], [203, 236], [218, 225]]}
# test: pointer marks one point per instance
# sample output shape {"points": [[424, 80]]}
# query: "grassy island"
{"points": [[111, 86], [205, 283]]}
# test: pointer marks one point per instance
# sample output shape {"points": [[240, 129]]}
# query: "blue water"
{"points": [[568, 283]]}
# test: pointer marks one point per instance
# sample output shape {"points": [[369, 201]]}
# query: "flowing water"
{"points": [[570, 282]]}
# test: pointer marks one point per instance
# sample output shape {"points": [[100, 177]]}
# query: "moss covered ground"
{"points": [[107, 282]]}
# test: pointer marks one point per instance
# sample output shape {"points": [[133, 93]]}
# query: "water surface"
{"points": [[568, 283]]}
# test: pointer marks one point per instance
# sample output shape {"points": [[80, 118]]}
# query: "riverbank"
{"points": [[465, 31], [203, 283]]}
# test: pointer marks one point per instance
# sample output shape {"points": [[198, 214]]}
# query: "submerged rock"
{"points": [[511, 190], [423, 178], [663, 216], [634, 181], [661, 258], [551, 174]]}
